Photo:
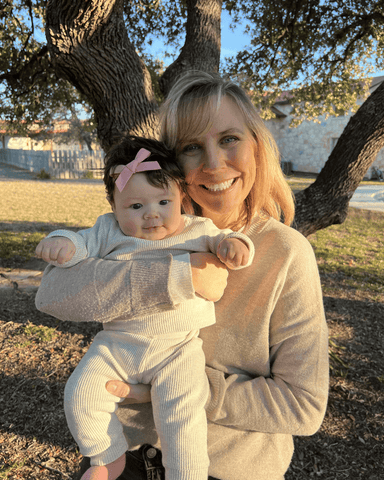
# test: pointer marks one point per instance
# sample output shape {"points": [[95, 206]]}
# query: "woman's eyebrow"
{"points": [[231, 130], [197, 139], [189, 140]]}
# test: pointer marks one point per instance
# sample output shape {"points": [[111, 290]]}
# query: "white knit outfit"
{"points": [[161, 349]]}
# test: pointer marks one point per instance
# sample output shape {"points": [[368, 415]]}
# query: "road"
{"points": [[369, 197]]}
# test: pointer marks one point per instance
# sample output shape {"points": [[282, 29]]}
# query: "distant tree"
{"points": [[99, 47], [30, 89], [77, 130], [323, 51]]}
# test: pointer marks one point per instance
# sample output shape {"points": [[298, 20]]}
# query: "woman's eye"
{"points": [[164, 202], [191, 148], [229, 139], [136, 206]]}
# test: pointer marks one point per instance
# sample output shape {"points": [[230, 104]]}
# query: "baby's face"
{"points": [[148, 212]]}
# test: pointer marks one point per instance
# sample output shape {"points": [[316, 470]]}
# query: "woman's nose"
{"points": [[213, 158]]}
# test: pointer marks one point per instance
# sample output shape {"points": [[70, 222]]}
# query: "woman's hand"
{"points": [[138, 393], [209, 275]]}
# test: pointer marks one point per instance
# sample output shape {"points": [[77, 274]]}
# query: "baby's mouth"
{"points": [[149, 227], [218, 187]]}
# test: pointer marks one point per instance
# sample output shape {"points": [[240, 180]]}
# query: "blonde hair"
{"points": [[185, 114]]}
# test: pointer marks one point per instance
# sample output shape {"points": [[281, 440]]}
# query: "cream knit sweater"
{"points": [[267, 354], [106, 240]]}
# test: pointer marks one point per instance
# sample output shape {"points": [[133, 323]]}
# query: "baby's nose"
{"points": [[151, 213]]}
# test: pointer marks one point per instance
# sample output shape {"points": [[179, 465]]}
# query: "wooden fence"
{"points": [[59, 163], [72, 164]]}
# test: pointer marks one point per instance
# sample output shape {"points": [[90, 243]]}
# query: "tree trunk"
{"points": [[326, 201], [202, 47], [89, 46]]}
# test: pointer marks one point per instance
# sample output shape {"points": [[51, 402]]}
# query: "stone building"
{"points": [[307, 147]]}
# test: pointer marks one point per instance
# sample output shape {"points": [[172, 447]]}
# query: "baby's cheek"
{"points": [[129, 228]]}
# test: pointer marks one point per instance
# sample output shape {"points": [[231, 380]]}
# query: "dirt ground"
{"points": [[38, 353]]}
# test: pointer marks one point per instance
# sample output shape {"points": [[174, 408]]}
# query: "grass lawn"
{"points": [[38, 352], [76, 203], [29, 210]]}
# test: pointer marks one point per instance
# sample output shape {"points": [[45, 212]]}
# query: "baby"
{"points": [[145, 189]]}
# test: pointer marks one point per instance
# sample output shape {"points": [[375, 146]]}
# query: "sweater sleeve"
{"points": [[292, 398], [90, 242], [98, 290]]}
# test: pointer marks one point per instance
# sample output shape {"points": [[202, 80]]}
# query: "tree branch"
{"points": [[201, 50], [15, 75], [326, 201], [89, 46]]}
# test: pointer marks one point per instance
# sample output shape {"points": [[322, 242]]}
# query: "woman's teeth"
{"points": [[220, 186]]}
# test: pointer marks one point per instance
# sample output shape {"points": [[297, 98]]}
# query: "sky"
{"points": [[231, 42]]}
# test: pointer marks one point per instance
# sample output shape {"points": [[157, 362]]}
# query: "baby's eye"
{"points": [[164, 202], [136, 206]]}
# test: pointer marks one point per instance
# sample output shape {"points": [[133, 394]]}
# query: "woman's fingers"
{"points": [[209, 275], [138, 393], [118, 388]]}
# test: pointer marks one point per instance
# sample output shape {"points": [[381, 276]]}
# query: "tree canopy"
{"points": [[322, 50], [96, 54]]}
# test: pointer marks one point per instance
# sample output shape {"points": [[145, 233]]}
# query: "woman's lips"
{"points": [[219, 187]]}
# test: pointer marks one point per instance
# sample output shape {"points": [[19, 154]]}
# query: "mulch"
{"points": [[38, 353]]}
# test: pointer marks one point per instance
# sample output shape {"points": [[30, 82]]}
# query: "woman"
{"points": [[267, 354]]}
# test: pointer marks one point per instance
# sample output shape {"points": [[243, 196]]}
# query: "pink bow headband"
{"points": [[136, 166]]}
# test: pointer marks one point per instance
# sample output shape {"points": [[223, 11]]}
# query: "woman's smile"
{"points": [[219, 187]]}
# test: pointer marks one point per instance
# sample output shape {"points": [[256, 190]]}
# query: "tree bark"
{"points": [[326, 201], [202, 47], [89, 46]]}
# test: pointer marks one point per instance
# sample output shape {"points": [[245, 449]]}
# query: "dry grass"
{"points": [[37, 355], [39, 203]]}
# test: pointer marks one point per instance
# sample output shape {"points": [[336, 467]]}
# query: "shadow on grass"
{"points": [[33, 407], [29, 227], [327, 456]]}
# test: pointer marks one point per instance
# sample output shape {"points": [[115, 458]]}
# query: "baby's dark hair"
{"points": [[125, 152]]}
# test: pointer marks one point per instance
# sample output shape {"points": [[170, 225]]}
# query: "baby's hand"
{"points": [[233, 253], [55, 249]]}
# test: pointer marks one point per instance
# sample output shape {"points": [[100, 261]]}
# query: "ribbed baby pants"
{"points": [[174, 365]]}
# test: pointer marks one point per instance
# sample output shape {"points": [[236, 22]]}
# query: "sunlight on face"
{"points": [[220, 164]]}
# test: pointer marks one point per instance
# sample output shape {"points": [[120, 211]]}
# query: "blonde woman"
{"points": [[266, 356]]}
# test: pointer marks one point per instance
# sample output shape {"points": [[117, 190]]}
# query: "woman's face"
{"points": [[220, 165]]}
